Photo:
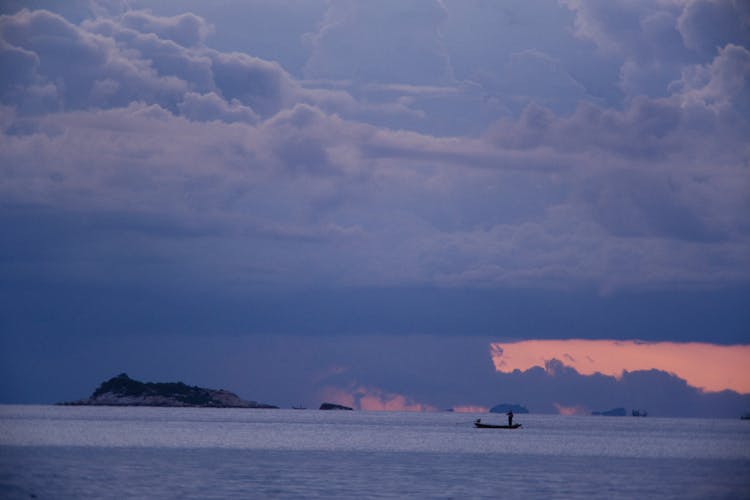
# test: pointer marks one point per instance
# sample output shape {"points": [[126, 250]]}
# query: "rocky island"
{"points": [[124, 391]]}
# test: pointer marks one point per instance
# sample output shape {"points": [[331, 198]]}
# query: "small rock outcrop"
{"points": [[506, 407], [334, 406], [124, 391]]}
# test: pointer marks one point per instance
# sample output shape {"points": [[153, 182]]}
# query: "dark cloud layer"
{"points": [[581, 172]]}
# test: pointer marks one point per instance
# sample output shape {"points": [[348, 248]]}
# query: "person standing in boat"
{"points": [[510, 418]]}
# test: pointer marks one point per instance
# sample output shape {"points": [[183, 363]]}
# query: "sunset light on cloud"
{"points": [[372, 399], [710, 367]]}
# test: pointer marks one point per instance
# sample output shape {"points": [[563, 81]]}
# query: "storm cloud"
{"points": [[166, 171]]}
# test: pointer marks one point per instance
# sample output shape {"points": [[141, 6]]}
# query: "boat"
{"points": [[479, 425]]}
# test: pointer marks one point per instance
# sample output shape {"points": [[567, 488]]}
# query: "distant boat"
{"points": [[745, 416], [479, 425]]}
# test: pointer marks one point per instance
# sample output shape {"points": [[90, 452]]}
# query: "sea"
{"points": [[60, 452]]}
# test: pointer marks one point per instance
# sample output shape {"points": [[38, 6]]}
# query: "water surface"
{"points": [[104, 452]]}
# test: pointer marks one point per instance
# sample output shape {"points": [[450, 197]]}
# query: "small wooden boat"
{"points": [[480, 425]]}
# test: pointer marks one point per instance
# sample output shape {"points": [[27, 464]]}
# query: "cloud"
{"points": [[708, 367], [184, 29], [655, 40], [707, 25], [557, 388], [721, 87], [571, 410], [698, 107], [324, 167], [470, 409], [261, 84], [257, 179], [482, 172], [192, 65], [533, 76], [92, 59], [385, 372], [371, 399], [208, 107], [351, 43], [19, 64], [640, 165], [139, 57], [642, 30]]}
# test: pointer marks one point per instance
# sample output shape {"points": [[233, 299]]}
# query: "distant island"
{"points": [[506, 407], [614, 412], [333, 406], [125, 391]]}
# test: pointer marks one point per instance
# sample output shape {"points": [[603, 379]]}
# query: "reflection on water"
{"points": [[75, 452]]}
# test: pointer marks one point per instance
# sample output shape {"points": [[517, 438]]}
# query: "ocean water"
{"points": [[60, 452]]}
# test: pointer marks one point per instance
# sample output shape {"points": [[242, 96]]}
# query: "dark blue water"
{"points": [[68, 452]]}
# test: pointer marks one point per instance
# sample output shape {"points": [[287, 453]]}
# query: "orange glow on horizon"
{"points": [[470, 409], [570, 410], [710, 367], [372, 399]]}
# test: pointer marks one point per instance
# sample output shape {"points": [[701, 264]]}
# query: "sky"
{"points": [[397, 205]]}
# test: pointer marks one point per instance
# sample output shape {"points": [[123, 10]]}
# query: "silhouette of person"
{"points": [[510, 418]]}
